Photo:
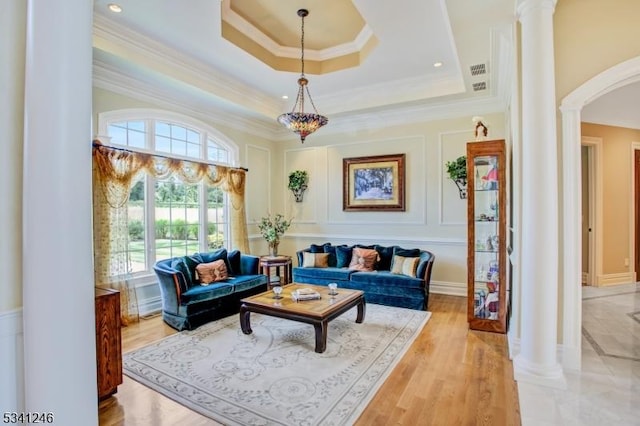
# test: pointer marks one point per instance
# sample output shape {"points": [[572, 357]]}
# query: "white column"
{"points": [[58, 288], [537, 361]]}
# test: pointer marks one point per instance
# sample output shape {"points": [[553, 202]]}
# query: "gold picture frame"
{"points": [[374, 183]]}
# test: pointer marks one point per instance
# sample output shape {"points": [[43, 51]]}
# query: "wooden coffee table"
{"points": [[315, 312]]}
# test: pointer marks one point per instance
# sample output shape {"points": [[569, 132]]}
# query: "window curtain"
{"points": [[115, 171]]}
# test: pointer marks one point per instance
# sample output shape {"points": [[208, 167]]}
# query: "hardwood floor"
{"points": [[449, 376]]}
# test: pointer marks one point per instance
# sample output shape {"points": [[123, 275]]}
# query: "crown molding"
{"points": [[407, 114], [111, 36], [107, 77], [393, 92]]}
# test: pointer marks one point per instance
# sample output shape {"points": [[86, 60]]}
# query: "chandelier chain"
{"points": [[302, 46]]}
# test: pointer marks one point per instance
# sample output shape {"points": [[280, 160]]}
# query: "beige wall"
{"points": [[12, 58], [617, 193], [592, 36]]}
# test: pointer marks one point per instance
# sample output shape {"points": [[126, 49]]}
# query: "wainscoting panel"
{"points": [[11, 361]]}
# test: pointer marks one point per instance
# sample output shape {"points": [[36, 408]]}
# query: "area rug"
{"points": [[273, 376]]}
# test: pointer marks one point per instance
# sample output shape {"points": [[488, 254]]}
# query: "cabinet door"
{"points": [[486, 233], [108, 342]]}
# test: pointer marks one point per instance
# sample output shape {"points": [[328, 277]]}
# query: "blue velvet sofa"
{"points": [[186, 304], [381, 285]]}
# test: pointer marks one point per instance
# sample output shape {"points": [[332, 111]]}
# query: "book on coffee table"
{"points": [[305, 294]]}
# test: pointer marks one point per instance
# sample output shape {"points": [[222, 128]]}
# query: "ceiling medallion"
{"points": [[298, 121]]}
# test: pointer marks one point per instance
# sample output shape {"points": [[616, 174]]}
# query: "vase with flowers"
{"points": [[272, 228]]}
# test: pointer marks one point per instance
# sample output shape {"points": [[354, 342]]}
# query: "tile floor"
{"points": [[607, 390]]}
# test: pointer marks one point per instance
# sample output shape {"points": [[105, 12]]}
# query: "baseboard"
{"points": [[449, 288], [12, 365], [615, 279]]}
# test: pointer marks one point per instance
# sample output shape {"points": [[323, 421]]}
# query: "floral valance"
{"points": [[118, 169]]}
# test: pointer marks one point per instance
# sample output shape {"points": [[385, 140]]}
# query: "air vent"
{"points": [[479, 86], [478, 69]]}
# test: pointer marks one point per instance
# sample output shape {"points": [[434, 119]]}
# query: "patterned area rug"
{"points": [[273, 376]]}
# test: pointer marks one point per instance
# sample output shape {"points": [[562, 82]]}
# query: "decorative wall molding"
{"points": [[363, 239], [12, 365], [115, 80], [110, 36], [442, 179], [150, 305]]}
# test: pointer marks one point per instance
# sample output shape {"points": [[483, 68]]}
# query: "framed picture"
{"points": [[373, 183]]}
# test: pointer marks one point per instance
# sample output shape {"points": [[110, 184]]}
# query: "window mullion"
{"points": [[150, 204], [203, 232]]}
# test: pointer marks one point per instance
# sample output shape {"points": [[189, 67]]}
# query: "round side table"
{"points": [[268, 262]]}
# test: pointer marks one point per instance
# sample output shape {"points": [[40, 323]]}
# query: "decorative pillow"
{"points": [[235, 262], [331, 250], [191, 268], [315, 260], [406, 252], [212, 256], [386, 254], [405, 265], [363, 259], [316, 248], [212, 272], [179, 265], [343, 256]]}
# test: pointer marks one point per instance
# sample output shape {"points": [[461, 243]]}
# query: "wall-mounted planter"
{"points": [[298, 181]]}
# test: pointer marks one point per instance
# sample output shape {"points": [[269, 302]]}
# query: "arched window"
{"points": [[168, 218]]}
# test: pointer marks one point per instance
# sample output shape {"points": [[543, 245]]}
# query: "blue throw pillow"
{"points": [[191, 268], [234, 262], [328, 248], [179, 265], [213, 256], [343, 256], [386, 254], [317, 248], [399, 251]]}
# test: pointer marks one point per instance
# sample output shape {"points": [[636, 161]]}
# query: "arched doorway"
{"points": [[625, 73]]}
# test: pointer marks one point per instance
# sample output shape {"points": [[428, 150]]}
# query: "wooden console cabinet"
{"points": [[108, 342]]}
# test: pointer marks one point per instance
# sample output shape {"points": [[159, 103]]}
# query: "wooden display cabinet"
{"points": [[486, 218]]}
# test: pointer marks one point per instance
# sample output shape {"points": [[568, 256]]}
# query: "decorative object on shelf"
{"points": [[481, 130], [272, 228], [298, 121], [457, 171], [373, 183], [298, 181]]}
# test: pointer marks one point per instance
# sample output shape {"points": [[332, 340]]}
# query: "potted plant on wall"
{"points": [[298, 181], [457, 171]]}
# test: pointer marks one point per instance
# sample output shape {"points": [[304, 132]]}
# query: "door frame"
{"points": [[634, 216], [595, 207]]}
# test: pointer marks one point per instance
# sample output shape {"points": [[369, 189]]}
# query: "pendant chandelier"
{"points": [[298, 121]]}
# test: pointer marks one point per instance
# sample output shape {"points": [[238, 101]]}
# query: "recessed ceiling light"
{"points": [[285, 97], [437, 64], [115, 8]]}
